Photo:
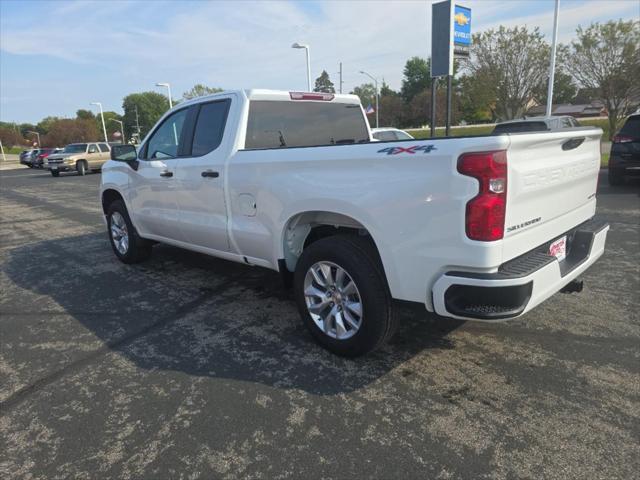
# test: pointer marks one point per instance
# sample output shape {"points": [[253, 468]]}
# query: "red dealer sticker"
{"points": [[559, 248]]}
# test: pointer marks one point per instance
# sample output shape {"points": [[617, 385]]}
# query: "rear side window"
{"points": [[631, 127], [209, 127], [275, 124], [103, 147]]}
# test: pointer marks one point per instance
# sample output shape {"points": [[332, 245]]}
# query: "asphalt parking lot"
{"points": [[187, 366]]}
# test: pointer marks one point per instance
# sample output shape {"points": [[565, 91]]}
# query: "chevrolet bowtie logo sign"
{"points": [[461, 19]]}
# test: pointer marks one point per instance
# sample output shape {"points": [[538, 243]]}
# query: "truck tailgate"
{"points": [[552, 182]]}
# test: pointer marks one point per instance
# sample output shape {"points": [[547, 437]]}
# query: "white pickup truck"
{"points": [[475, 228]]}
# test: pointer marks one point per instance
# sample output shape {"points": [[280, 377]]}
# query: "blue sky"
{"points": [[58, 56]]}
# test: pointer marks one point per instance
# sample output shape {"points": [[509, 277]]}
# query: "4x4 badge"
{"points": [[411, 150]]}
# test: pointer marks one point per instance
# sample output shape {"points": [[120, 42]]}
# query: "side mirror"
{"points": [[125, 153]]}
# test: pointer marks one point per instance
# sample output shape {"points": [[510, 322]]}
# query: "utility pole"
{"points": [[448, 128], [341, 82], [552, 63], [168, 85], [104, 127], [137, 123], [377, 93], [37, 135], [434, 85], [121, 129]]}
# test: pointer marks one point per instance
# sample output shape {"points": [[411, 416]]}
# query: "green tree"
{"points": [[513, 64], [199, 90], [417, 78], [150, 107], [10, 137], [564, 90], [366, 92], [83, 114], [324, 83], [392, 111], [24, 129], [386, 91], [606, 58], [477, 102], [44, 125], [66, 130]]}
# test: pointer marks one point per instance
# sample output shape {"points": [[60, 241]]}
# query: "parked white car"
{"points": [[388, 134], [476, 228]]}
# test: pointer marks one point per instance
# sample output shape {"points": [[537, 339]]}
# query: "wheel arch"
{"points": [[108, 196], [304, 228]]}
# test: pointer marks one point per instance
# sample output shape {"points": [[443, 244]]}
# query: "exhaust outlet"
{"points": [[573, 287]]}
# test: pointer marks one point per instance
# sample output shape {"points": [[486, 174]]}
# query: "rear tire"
{"points": [[128, 246], [55, 174], [352, 335], [81, 167]]}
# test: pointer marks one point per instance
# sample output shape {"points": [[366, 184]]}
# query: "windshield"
{"points": [[76, 148]]}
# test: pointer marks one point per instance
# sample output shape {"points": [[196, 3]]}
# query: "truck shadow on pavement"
{"points": [[187, 312]]}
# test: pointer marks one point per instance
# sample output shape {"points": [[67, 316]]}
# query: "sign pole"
{"points": [[552, 64], [450, 38], [448, 127], [434, 80]]}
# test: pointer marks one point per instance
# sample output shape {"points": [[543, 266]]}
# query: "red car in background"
{"points": [[38, 160]]}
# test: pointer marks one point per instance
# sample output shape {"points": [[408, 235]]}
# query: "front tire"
{"points": [[342, 295], [81, 167], [126, 244], [55, 174]]}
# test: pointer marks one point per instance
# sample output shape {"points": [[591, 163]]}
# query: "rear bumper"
{"points": [[520, 284], [625, 168]]}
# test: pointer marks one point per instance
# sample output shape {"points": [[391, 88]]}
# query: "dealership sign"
{"points": [[450, 36], [461, 31]]}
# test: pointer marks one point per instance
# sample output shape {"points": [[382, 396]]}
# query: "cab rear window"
{"points": [[274, 124], [520, 127]]}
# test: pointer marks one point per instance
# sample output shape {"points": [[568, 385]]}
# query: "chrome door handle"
{"points": [[210, 173], [166, 173]]}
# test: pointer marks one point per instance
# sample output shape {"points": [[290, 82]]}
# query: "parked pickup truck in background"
{"points": [[477, 228], [79, 157]]}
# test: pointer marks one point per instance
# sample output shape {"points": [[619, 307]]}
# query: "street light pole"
{"points": [[552, 64], [121, 128], [377, 95], [306, 48], [169, 92], [104, 127], [37, 135]]}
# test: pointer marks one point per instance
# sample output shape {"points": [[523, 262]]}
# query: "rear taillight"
{"points": [[622, 139], [327, 97], [485, 214]]}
